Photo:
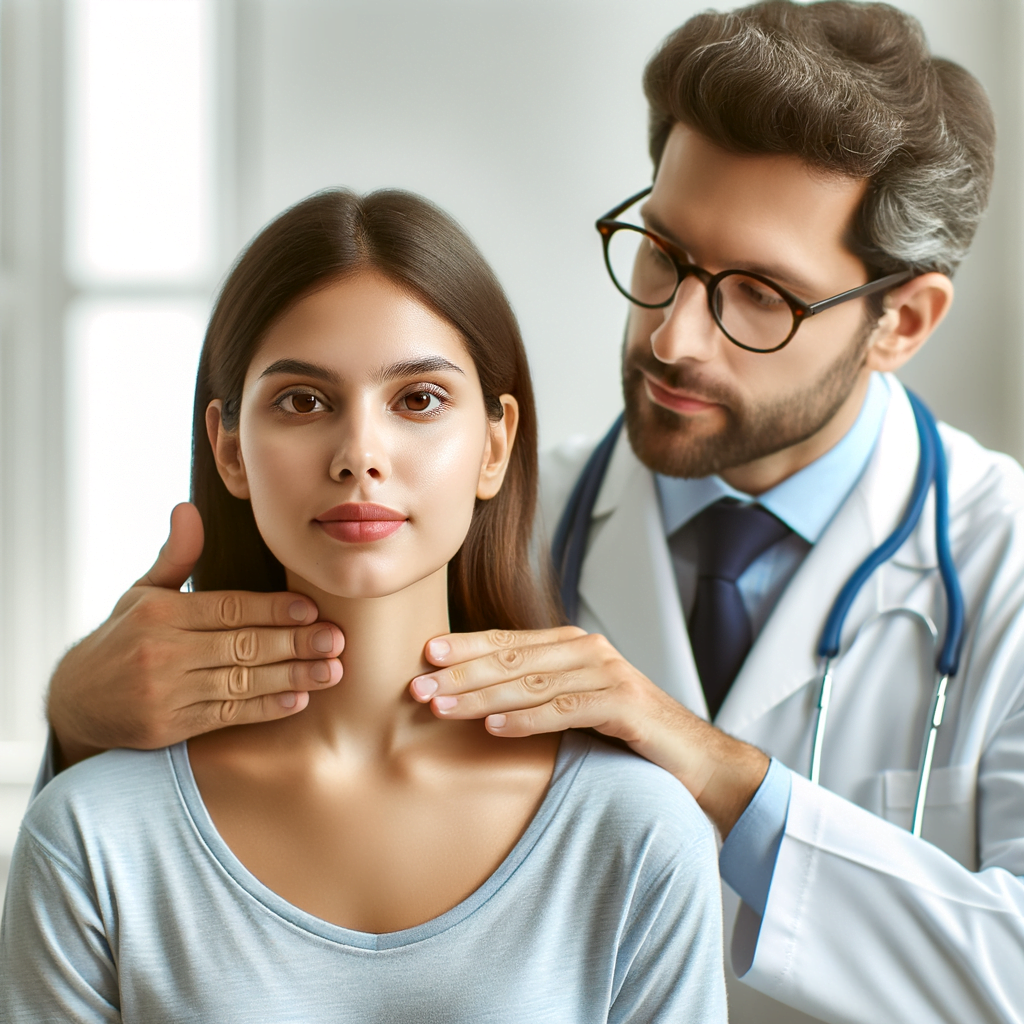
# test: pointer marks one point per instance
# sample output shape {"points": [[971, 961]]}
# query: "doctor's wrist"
{"points": [[734, 773], [721, 772]]}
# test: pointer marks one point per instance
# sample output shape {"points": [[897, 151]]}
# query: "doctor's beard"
{"points": [[665, 441]]}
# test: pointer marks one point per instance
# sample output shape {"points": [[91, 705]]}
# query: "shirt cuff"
{"points": [[748, 855]]}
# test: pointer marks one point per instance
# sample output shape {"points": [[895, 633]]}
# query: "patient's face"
{"points": [[362, 435]]}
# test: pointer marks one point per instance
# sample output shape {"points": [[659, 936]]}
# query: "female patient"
{"points": [[365, 434]]}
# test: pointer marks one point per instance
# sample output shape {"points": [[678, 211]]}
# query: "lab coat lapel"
{"points": [[629, 585], [783, 659]]}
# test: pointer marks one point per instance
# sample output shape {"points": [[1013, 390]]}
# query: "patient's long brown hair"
{"points": [[411, 242]]}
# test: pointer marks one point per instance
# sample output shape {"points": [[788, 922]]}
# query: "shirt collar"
{"points": [[805, 501]]}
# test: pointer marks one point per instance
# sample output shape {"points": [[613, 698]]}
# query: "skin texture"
{"points": [[697, 403], [334, 410]]}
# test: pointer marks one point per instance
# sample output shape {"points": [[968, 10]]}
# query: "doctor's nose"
{"points": [[688, 330], [361, 453]]}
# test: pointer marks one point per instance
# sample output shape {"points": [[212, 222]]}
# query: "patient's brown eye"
{"points": [[418, 401], [304, 403]]}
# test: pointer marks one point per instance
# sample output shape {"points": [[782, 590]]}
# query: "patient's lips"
{"points": [[360, 522]]}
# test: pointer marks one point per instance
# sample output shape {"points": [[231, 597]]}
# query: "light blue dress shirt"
{"points": [[806, 502]]}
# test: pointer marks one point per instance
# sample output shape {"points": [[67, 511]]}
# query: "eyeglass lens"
{"points": [[748, 310]]}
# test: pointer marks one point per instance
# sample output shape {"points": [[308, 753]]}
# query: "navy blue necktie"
{"points": [[729, 537]]}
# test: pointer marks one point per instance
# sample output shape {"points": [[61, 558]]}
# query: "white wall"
{"points": [[971, 371], [527, 121]]}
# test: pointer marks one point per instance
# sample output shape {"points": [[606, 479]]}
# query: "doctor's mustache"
{"points": [[681, 446], [676, 375]]}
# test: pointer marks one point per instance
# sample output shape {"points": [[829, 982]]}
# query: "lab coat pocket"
{"points": [[949, 813]]}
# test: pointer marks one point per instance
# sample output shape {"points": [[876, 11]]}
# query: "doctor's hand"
{"points": [[167, 666], [549, 680]]}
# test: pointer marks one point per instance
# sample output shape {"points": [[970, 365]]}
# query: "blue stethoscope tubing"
{"points": [[570, 544]]}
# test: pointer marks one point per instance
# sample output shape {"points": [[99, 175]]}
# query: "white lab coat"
{"points": [[864, 923]]}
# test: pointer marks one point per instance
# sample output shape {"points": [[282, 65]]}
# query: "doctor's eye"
{"points": [[301, 402], [422, 400]]}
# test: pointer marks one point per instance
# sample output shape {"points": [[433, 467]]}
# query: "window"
{"points": [[109, 242], [139, 256]]}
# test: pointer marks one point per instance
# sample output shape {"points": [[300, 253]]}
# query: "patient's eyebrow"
{"points": [[414, 368], [299, 367], [393, 371]]}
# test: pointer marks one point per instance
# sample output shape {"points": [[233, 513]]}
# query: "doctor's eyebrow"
{"points": [[796, 285]]}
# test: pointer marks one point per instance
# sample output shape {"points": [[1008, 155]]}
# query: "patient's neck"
{"points": [[371, 709]]}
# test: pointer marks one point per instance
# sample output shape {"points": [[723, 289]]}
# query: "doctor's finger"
{"points": [[241, 682], [180, 552], [587, 710], [571, 653], [528, 691], [215, 714], [265, 646], [214, 610], [455, 648]]}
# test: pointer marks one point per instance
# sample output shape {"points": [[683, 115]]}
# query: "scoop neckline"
{"points": [[572, 750]]}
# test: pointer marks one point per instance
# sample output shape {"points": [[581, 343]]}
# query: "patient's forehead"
{"points": [[357, 325]]}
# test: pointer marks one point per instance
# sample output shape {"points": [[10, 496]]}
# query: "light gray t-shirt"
{"points": [[124, 903]]}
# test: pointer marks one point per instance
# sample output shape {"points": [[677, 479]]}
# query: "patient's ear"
{"points": [[226, 451], [501, 436]]}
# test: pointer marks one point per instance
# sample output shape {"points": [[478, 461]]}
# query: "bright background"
{"points": [[143, 141]]}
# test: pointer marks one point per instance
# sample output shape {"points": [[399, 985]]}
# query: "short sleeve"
{"points": [[55, 963], [670, 957]]}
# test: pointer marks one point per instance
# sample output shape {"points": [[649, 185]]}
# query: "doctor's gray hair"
{"points": [[851, 89]]}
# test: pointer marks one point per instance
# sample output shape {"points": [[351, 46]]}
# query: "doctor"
{"points": [[815, 150]]}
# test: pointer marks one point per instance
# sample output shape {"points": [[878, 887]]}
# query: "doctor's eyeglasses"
{"points": [[753, 311]]}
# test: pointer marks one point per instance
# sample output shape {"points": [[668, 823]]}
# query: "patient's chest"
{"points": [[377, 851]]}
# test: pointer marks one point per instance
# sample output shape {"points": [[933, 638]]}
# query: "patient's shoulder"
{"points": [[104, 799], [627, 797]]}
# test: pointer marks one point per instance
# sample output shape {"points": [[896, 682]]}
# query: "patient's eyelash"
{"points": [[300, 402], [417, 393]]}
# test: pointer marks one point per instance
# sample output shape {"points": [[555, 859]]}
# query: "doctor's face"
{"points": [[363, 439], [697, 404]]}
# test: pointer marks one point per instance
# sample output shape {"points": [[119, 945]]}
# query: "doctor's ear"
{"points": [[912, 312], [226, 451], [501, 436]]}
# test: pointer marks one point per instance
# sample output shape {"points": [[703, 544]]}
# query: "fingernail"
{"points": [[323, 640], [445, 703], [495, 721], [439, 649], [320, 671], [424, 687], [287, 700], [298, 610]]}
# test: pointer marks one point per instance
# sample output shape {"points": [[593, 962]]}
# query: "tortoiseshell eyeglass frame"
{"points": [[609, 224]]}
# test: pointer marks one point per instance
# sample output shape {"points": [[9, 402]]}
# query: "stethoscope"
{"points": [[570, 544]]}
